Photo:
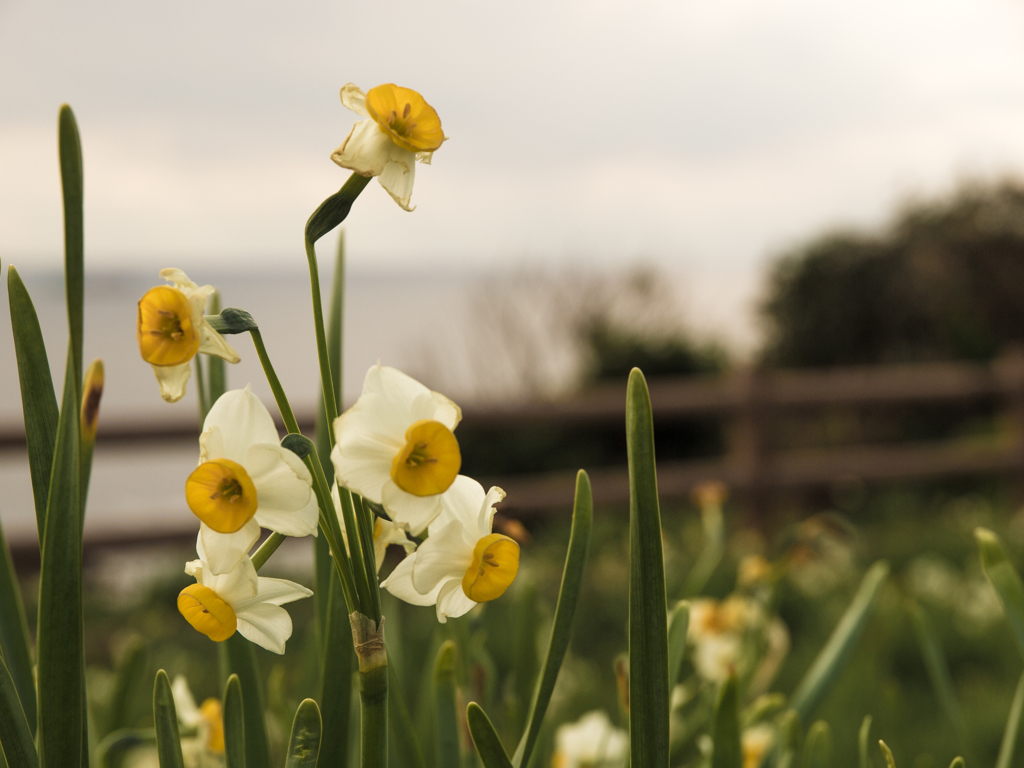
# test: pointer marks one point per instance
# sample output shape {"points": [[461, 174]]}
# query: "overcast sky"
{"points": [[704, 136]]}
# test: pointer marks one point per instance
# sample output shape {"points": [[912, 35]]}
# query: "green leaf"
{"points": [[725, 728], [15, 649], [15, 735], [488, 745], [38, 401], [1004, 579], [239, 658], [678, 624], [234, 724], [818, 746], [938, 672], [711, 553], [864, 743], [889, 760], [447, 744], [165, 717], [764, 706], [958, 762], [115, 744], [335, 208], [648, 622], [74, 250], [403, 730], [789, 733], [304, 743], [231, 321], [123, 712], [565, 610], [1009, 743], [338, 663], [832, 659], [59, 644]]}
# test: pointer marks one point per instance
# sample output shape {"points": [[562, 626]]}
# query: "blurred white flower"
{"points": [[246, 480], [401, 128], [590, 742], [171, 329], [461, 563], [395, 447], [755, 743]]}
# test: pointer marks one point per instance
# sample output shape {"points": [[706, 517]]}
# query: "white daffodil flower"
{"points": [[461, 563], [396, 447], [400, 129], [171, 330], [245, 480], [590, 742], [385, 532], [218, 605], [207, 720]]}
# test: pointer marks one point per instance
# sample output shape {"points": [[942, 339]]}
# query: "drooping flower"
{"points": [[385, 532], [400, 129], [171, 330], [246, 480], [461, 563], [218, 605], [590, 742], [396, 447]]}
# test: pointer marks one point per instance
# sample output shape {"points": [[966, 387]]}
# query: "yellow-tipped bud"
{"points": [[406, 117], [205, 610], [494, 567], [164, 330], [221, 494], [429, 461], [92, 391], [213, 714]]}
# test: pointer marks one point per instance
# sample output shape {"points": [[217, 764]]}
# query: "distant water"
{"points": [[392, 318]]}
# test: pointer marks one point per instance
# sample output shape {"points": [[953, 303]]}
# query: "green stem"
{"points": [[204, 400], [283, 405], [267, 548], [332, 530], [355, 550], [373, 698], [366, 523]]}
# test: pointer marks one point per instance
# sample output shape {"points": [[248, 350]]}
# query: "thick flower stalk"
{"points": [[246, 480], [218, 605], [400, 129], [171, 330], [385, 533], [462, 562], [396, 447]]}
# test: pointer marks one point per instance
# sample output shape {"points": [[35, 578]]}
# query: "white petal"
{"points": [[402, 389], [414, 513], [463, 501], [386, 533], [363, 467], [195, 568], [212, 343], [237, 585], [397, 178], [399, 584], [275, 592], [266, 625], [452, 602], [180, 279], [445, 555], [284, 490], [436, 407], [184, 703], [485, 520], [224, 551], [367, 150], [353, 98], [243, 421], [172, 380]]}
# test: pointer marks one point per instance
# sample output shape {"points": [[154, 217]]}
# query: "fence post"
{"points": [[1008, 369], [747, 445]]}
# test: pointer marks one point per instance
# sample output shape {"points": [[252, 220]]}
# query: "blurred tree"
{"points": [[946, 281]]}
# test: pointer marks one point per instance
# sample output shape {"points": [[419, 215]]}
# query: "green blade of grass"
{"points": [[678, 624], [831, 660], [725, 728], [38, 401], [958, 762], [447, 726], [403, 732], [14, 643], [338, 665], [70, 147], [648, 609], [890, 761], [15, 736], [165, 718], [565, 610], [59, 645], [1009, 742], [818, 746], [485, 739], [789, 736], [304, 742], [234, 724], [239, 658], [938, 672], [123, 711], [864, 743], [1004, 579]]}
